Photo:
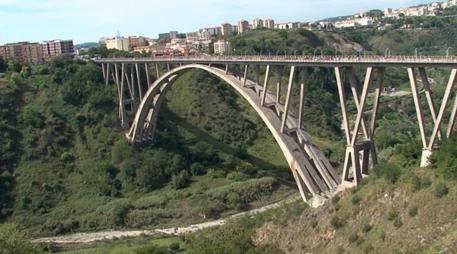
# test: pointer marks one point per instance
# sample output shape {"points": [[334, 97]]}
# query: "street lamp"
{"points": [[416, 52], [387, 53], [447, 52]]}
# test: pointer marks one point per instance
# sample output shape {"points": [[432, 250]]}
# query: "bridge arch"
{"points": [[314, 175]]}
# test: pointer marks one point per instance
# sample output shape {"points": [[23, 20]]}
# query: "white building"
{"points": [[119, 43], [212, 31], [289, 25], [221, 47]]}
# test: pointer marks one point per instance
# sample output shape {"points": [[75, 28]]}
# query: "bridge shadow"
{"points": [[171, 122]]}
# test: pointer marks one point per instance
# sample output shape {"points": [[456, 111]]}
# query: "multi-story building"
{"points": [[119, 43], [56, 48], [257, 23], [212, 31], [269, 23], [137, 41], [23, 52], [169, 35], [222, 47], [226, 29], [197, 37], [243, 26], [289, 25]]}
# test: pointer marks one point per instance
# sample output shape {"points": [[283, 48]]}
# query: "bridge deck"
{"points": [[318, 61]]}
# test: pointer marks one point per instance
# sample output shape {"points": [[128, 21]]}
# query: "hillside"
{"points": [[66, 167]]}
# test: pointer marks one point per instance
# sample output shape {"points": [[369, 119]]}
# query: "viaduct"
{"points": [[140, 99]]}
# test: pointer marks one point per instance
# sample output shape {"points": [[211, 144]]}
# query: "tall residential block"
{"points": [[56, 48], [269, 23], [243, 26], [137, 41], [226, 29], [257, 23], [23, 52]]}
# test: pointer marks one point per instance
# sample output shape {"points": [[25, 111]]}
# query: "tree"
{"points": [[13, 241]]}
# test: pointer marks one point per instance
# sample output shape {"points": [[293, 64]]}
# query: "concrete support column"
{"points": [[157, 71], [265, 85], [246, 67], [103, 70], [289, 92], [140, 89], [148, 78], [107, 74]]}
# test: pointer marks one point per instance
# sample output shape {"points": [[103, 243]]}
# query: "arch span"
{"points": [[313, 173]]}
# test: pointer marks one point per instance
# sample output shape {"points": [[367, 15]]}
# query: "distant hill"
{"points": [[87, 45]]}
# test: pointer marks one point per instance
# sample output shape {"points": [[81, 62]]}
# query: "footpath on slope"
{"points": [[82, 238]]}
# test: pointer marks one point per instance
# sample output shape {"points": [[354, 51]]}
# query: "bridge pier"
{"points": [[359, 150], [428, 144]]}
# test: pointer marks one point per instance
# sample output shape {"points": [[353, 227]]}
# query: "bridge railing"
{"points": [[304, 58]]}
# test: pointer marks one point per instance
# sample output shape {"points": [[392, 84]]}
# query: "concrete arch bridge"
{"points": [[140, 100]]}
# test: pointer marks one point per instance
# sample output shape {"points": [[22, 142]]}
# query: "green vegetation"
{"points": [[66, 167]]}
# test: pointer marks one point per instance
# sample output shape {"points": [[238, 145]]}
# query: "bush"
{"points": [[387, 171], [181, 180], [197, 169], [441, 190], [336, 222], [355, 200], [392, 215], [174, 247], [397, 222], [353, 237], [237, 176], [366, 228], [445, 159], [12, 241], [412, 211], [419, 183]]}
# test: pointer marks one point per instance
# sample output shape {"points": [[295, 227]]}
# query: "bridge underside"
{"points": [[139, 106]]}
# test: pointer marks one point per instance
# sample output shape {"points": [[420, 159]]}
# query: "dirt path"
{"points": [[81, 238]]}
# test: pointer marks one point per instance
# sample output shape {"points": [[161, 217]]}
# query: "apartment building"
{"points": [[222, 47], [226, 29], [243, 26], [269, 23], [23, 52], [118, 42], [137, 41], [54, 48]]}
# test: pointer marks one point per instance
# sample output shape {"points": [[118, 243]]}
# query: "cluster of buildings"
{"points": [[363, 19], [36, 53], [421, 10]]}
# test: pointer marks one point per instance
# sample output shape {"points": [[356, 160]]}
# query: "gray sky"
{"points": [[87, 20]]}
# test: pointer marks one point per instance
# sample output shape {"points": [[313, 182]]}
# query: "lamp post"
{"points": [[387, 53], [447, 51], [416, 52]]}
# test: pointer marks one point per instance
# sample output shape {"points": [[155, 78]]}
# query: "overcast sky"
{"points": [[87, 20]]}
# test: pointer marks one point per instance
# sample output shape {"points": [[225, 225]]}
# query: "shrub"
{"points": [[441, 190], [336, 222], [335, 199], [181, 180], [366, 228], [355, 199], [419, 183], [392, 215], [397, 222], [174, 247], [387, 171], [237, 176], [445, 159], [412, 211], [353, 237], [13, 241], [197, 169]]}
